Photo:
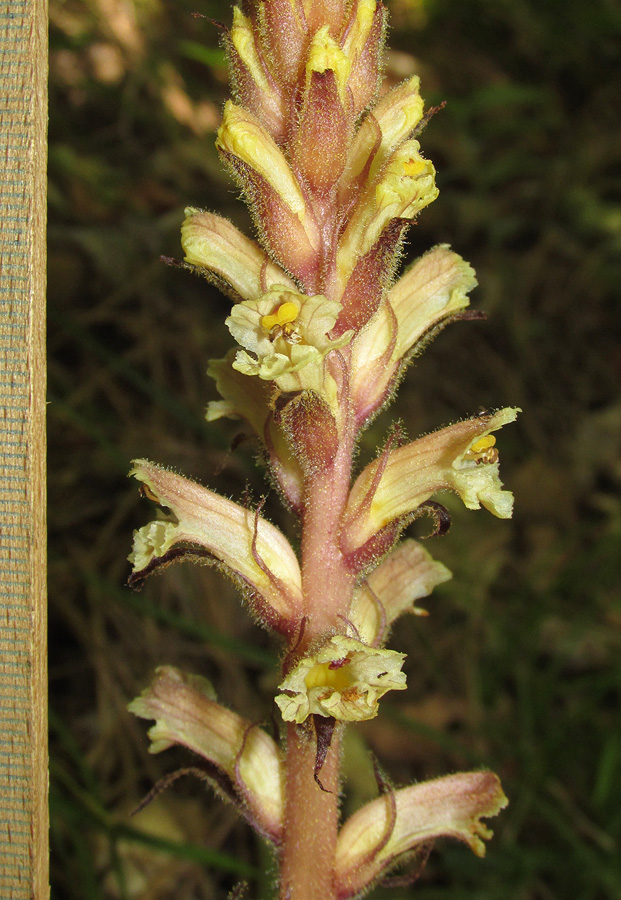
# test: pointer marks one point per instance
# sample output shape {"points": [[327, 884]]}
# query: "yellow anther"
{"points": [[146, 491], [484, 443], [483, 451], [414, 167], [284, 315]]}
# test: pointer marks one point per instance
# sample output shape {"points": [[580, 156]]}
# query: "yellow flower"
{"points": [[241, 399], [375, 837], [344, 679], [429, 294], [186, 713], [434, 288], [404, 186], [216, 246], [459, 458], [390, 122], [242, 135], [406, 575], [284, 336], [286, 222], [255, 552]]}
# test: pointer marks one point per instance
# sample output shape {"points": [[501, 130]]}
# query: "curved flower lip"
{"points": [[395, 486], [214, 244], [435, 287], [290, 354], [253, 549], [186, 713], [344, 679], [405, 186], [249, 400], [406, 575], [376, 836]]}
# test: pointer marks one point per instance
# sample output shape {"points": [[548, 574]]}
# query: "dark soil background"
{"points": [[518, 666]]}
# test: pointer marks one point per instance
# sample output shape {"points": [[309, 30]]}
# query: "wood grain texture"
{"points": [[23, 673]]}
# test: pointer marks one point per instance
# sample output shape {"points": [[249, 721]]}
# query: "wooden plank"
{"points": [[23, 675]]}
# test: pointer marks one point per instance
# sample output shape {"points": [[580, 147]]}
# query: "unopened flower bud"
{"points": [[322, 123], [241, 135], [363, 45], [274, 195], [254, 85], [323, 119]]}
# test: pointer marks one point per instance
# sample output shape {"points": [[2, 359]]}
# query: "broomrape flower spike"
{"points": [[333, 176]]}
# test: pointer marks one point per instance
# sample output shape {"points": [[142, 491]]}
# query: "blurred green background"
{"points": [[518, 666]]}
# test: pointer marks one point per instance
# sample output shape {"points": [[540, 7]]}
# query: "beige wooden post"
{"points": [[23, 682]]}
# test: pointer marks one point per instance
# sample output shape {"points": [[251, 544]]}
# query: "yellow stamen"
{"points": [[146, 491], [284, 315], [483, 451], [414, 167], [484, 443]]}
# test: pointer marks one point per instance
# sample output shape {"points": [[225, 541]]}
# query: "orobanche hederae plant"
{"points": [[323, 331]]}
